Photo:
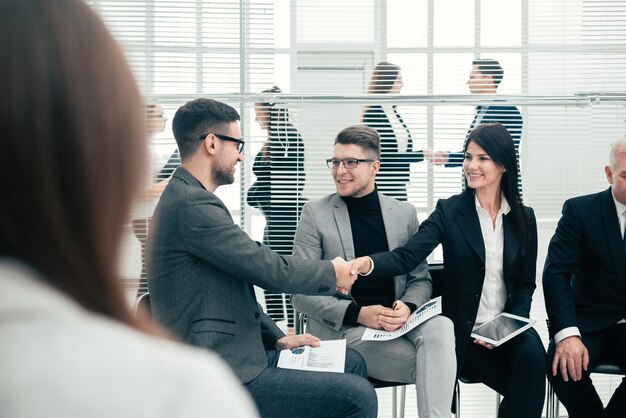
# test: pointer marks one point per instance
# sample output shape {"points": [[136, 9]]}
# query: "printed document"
{"points": [[330, 356], [421, 314]]}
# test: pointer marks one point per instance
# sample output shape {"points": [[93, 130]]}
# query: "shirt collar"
{"points": [[505, 208], [619, 206]]}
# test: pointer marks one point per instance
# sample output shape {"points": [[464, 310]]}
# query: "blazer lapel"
{"points": [[397, 235], [511, 247], [467, 220], [342, 220], [613, 234]]}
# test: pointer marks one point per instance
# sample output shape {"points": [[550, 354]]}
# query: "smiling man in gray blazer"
{"points": [[202, 268], [357, 221]]}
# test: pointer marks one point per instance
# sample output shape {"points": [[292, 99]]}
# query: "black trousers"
{"points": [[516, 370], [581, 398]]}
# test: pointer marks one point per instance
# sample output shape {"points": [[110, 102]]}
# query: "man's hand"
{"points": [[345, 275], [293, 341], [571, 358], [392, 319], [370, 316], [360, 265]]}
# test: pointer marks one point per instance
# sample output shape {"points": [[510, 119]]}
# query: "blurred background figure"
{"points": [[280, 177], [72, 151], [485, 77], [160, 171], [395, 138]]}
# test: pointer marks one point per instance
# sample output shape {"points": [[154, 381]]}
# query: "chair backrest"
{"points": [[608, 368], [143, 304]]}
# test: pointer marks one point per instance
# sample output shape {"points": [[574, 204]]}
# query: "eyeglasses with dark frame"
{"points": [[348, 163], [240, 142]]}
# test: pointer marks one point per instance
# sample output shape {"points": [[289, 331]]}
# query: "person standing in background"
{"points": [[395, 138], [279, 169], [155, 124], [485, 77]]}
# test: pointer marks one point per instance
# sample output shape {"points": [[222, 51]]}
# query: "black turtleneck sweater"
{"points": [[369, 237]]}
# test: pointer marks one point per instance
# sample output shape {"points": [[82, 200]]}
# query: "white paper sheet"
{"points": [[421, 314], [330, 356]]}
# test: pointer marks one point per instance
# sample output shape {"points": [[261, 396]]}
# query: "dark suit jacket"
{"points": [[201, 268], [394, 166], [509, 116], [282, 176], [454, 223], [584, 278]]}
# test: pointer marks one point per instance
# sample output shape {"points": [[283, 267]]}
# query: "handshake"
{"points": [[348, 271], [436, 157]]}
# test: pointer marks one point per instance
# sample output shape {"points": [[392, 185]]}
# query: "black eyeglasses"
{"points": [[349, 163], [240, 142]]}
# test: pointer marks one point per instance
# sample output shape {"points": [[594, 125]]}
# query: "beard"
{"points": [[223, 174]]}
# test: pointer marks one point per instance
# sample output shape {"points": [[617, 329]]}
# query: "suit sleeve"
{"points": [[509, 116], [418, 282], [270, 333], [406, 258], [564, 254], [524, 286], [209, 233], [307, 245]]}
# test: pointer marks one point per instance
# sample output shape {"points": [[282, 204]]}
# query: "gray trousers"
{"points": [[424, 356], [281, 393]]}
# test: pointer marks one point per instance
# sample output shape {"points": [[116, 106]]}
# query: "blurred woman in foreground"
{"points": [[72, 148]]}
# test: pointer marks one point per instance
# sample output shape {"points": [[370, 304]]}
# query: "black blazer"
{"points": [[509, 116], [584, 278], [454, 224], [394, 166]]}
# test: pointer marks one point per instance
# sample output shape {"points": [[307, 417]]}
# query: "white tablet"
{"points": [[502, 328]]}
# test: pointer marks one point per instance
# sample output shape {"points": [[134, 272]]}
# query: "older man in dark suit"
{"points": [[584, 282], [202, 268]]}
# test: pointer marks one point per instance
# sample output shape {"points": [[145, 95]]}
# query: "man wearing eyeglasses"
{"points": [[202, 268], [358, 220]]}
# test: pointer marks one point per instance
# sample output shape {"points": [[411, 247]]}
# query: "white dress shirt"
{"points": [[399, 130], [493, 297]]}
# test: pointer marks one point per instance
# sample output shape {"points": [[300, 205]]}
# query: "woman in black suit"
{"points": [[279, 168], [489, 243], [395, 138]]}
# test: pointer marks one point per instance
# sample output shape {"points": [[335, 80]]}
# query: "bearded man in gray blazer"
{"points": [[357, 221], [202, 268]]}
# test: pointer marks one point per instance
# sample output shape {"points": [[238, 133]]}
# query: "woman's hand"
{"points": [[484, 344]]}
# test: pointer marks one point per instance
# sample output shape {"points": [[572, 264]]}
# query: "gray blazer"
{"points": [[201, 268], [324, 233]]}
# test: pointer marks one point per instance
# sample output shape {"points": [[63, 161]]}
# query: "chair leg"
{"points": [[552, 402], [498, 400], [402, 400], [394, 402], [458, 399]]}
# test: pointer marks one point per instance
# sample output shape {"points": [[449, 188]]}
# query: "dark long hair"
{"points": [[72, 149], [497, 142]]}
